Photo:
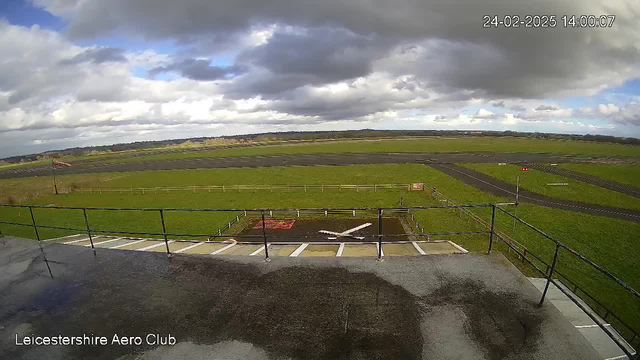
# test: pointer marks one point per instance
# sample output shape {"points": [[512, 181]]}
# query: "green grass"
{"points": [[309, 175], [536, 181], [626, 174], [610, 243]]}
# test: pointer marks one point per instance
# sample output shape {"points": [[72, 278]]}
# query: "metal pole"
{"points": [[493, 222], [35, 227], [86, 223], [379, 233], [553, 267], [515, 210], [164, 232], [264, 235], [53, 170]]}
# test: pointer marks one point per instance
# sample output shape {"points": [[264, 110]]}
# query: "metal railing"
{"points": [[630, 335], [549, 272], [241, 188]]}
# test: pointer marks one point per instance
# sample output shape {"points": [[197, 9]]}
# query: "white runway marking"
{"points": [[154, 245], [223, 249], [125, 244], [188, 248], [299, 250]]}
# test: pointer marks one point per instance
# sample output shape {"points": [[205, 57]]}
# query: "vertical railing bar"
{"points": [[86, 223], [164, 232], [553, 267], [264, 235], [35, 227], [493, 222], [379, 234]]}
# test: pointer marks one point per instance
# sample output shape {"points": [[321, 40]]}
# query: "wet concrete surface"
{"points": [[314, 159], [430, 307], [498, 187]]}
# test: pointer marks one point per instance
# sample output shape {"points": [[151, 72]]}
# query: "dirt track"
{"points": [[310, 159], [497, 187]]}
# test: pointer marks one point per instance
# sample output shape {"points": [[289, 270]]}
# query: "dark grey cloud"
{"points": [[546, 108], [316, 56], [498, 104], [199, 69], [98, 55]]}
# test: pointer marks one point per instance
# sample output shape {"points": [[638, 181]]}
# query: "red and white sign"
{"points": [[525, 169], [275, 224], [417, 187]]}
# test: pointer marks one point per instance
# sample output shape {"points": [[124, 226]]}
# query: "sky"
{"points": [[94, 72]]}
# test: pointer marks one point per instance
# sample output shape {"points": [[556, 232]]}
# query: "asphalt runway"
{"points": [[500, 188], [474, 306], [84, 167]]}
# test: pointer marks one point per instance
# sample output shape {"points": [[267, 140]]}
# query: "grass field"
{"points": [[610, 243], [625, 174], [536, 181]]}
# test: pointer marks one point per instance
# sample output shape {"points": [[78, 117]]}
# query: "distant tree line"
{"points": [[312, 136]]}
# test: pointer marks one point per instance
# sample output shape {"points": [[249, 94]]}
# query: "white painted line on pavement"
{"points": [[75, 241], [188, 248], [104, 242], [125, 244], [418, 248], [340, 250], [223, 249], [155, 245], [299, 250]]}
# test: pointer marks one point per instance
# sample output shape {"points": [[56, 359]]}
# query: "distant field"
{"points": [[626, 174], [434, 144], [536, 181], [479, 144], [610, 243]]}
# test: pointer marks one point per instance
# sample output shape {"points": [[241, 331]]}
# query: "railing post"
{"points": [[553, 267], [379, 234], [493, 223], [264, 235], [35, 227], [86, 223], [164, 231]]}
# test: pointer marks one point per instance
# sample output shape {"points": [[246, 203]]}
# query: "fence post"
{"points": [[379, 234], [35, 227], [164, 232], [86, 223], [493, 222], [553, 267], [264, 235]]}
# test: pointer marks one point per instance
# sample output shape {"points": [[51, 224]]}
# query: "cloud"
{"points": [[546, 108], [97, 55], [199, 69], [310, 64]]}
